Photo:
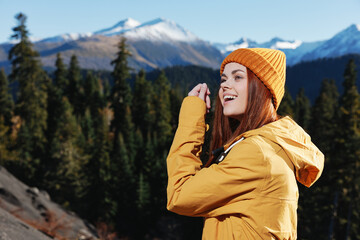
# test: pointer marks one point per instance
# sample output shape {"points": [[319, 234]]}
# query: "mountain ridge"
{"points": [[161, 42]]}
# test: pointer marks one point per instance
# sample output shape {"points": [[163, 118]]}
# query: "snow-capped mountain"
{"points": [[294, 50], [154, 44], [160, 42], [119, 28], [345, 42], [278, 43], [275, 43], [159, 29], [242, 43]]}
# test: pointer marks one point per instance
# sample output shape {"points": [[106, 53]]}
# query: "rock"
{"points": [[13, 229], [34, 209]]}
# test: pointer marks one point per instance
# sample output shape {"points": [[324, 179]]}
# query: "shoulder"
{"points": [[255, 146], [253, 152], [248, 154]]}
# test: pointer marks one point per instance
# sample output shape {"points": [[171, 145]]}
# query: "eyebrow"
{"points": [[233, 72]]}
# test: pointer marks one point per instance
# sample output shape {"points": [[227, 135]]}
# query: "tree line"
{"points": [[100, 150]]}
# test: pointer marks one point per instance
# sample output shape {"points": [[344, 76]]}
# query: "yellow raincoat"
{"points": [[252, 193]]}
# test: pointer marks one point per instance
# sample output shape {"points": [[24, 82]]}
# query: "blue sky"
{"points": [[214, 21]]}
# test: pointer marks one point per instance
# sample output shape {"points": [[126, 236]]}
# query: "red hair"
{"points": [[259, 111]]}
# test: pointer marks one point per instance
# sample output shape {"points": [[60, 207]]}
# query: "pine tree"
{"points": [[142, 106], [325, 117], [74, 90], [60, 75], [93, 89], [154, 171], [163, 128], [6, 101], [143, 207], [55, 98], [302, 112], [350, 101], [348, 159], [65, 177], [317, 200], [286, 107], [107, 90], [143, 192], [99, 170], [124, 182], [121, 100], [161, 140], [31, 102], [176, 98]]}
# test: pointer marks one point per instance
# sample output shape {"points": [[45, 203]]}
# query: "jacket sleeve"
{"points": [[193, 191]]}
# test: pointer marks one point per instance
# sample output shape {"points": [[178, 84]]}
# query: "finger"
{"points": [[208, 91], [195, 90], [203, 91], [208, 103]]}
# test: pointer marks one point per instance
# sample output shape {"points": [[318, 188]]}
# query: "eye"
{"points": [[238, 77], [222, 80]]}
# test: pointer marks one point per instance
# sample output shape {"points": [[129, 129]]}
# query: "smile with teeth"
{"points": [[229, 98]]}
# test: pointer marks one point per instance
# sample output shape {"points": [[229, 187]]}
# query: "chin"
{"points": [[233, 115]]}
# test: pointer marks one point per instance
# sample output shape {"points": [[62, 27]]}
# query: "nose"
{"points": [[225, 85]]}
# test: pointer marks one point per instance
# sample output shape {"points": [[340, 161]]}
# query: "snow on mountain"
{"points": [[345, 42], [119, 28], [278, 43], [66, 37], [161, 30], [167, 37], [155, 30], [242, 43], [294, 50], [294, 56]]}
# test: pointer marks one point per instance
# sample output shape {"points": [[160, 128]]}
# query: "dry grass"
{"points": [[105, 232], [52, 225], [59, 227]]}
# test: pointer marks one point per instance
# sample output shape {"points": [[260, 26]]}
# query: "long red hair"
{"points": [[259, 111]]}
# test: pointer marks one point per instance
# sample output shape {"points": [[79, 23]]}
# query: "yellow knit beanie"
{"points": [[269, 65]]}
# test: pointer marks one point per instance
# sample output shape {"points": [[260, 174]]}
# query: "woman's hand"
{"points": [[202, 91]]}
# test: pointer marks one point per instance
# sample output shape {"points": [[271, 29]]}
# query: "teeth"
{"points": [[229, 97]]}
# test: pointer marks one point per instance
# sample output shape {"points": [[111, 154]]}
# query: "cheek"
{"points": [[221, 97], [242, 91]]}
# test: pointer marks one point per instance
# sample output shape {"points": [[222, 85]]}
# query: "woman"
{"points": [[249, 190]]}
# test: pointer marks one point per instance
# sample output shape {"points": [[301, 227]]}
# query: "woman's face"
{"points": [[233, 91]]}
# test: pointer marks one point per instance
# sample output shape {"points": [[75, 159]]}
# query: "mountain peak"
{"points": [[161, 29], [353, 28], [349, 31], [127, 22], [119, 27]]}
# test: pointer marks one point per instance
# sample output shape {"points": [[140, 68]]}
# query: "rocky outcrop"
{"points": [[13, 228], [27, 211]]}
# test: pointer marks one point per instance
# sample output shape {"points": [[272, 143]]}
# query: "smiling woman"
{"points": [[247, 189]]}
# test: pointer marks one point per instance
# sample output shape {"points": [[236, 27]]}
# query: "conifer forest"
{"points": [[97, 143]]}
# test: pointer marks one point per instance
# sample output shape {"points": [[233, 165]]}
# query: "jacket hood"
{"points": [[307, 159]]}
